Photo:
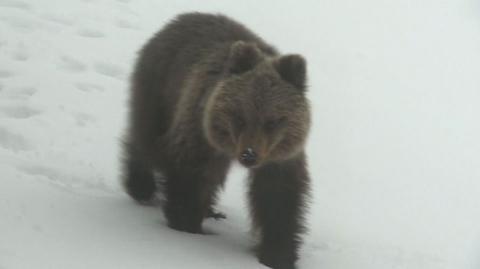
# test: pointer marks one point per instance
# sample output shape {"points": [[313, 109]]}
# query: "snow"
{"points": [[394, 151]]}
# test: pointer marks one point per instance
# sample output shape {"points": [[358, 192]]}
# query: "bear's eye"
{"points": [[273, 124]]}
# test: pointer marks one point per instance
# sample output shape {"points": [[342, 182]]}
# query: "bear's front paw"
{"points": [[181, 219], [277, 259], [216, 215], [142, 191]]}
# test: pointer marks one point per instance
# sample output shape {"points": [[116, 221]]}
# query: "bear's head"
{"points": [[258, 112]]}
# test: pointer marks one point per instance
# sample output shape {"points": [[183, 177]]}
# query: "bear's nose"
{"points": [[248, 157]]}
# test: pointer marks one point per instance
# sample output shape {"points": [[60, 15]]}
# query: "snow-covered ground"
{"points": [[394, 152]]}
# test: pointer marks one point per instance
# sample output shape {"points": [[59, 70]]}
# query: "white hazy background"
{"points": [[394, 151]]}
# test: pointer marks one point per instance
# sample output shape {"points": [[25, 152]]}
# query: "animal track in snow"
{"points": [[71, 64], [83, 119], [58, 177], [125, 24], [12, 141], [92, 33], [20, 93], [15, 4], [19, 112], [42, 171], [88, 87], [319, 246], [20, 23], [6, 74], [20, 55], [27, 91], [20, 52], [109, 70]]}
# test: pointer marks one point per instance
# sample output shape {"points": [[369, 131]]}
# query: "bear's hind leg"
{"points": [[138, 179]]}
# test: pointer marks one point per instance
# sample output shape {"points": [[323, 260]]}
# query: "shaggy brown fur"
{"points": [[206, 91]]}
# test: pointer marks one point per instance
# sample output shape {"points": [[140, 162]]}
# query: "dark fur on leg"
{"points": [[183, 209], [138, 177], [191, 189], [277, 199]]}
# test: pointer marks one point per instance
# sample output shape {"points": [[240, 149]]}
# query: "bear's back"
{"points": [[205, 30], [190, 38], [165, 64]]}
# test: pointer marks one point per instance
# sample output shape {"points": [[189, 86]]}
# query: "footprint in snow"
{"points": [[319, 246], [15, 4], [38, 170], [6, 74], [20, 93], [26, 91], [91, 33], [12, 141], [71, 64], [109, 70], [20, 55], [88, 87], [20, 23], [59, 178], [83, 119], [125, 24], [19, 112]]}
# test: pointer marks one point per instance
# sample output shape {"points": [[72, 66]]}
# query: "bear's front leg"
{"points": [[277, 199], [184, 208]]}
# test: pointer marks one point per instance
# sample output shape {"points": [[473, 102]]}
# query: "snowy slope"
{"points": [[394, 152]]}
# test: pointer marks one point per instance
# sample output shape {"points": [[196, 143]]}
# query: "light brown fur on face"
{"points": [[258, 109]]}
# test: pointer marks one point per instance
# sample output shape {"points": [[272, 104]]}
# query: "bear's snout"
{"points": [[248, 157]]}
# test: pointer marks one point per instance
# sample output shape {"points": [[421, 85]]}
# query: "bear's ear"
{"points": [[243, 57], [293, 69]]}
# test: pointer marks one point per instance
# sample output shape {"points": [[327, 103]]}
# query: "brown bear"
{"points": [[206, 91]]}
